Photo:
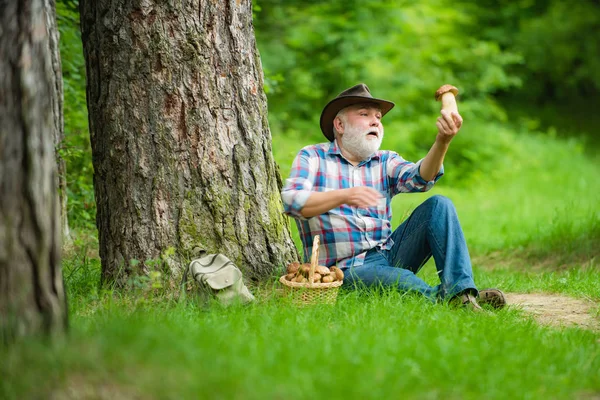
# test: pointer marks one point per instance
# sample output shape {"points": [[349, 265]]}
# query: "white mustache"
{"points": [[377, 131]]}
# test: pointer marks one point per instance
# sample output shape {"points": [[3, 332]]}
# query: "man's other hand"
{"points": [[362, 196]]}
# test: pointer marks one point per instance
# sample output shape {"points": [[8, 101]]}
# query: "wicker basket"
{"points": [[310, 292]]}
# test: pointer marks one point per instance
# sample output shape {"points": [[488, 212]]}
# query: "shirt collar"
{"points": [[334, 148]]}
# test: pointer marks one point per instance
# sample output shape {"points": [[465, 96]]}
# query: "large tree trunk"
{"points": [[180, 140], [57, 108], [32, 298]]}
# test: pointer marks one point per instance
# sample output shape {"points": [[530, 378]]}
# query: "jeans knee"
{"points": [[441, 201]]}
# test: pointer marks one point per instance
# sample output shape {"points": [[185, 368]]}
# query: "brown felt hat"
{"points": [[355, 95]]}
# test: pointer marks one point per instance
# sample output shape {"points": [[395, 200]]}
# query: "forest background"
{"points": [[524, 174], [529, 93]]}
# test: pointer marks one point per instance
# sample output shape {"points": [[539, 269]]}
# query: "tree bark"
{"points": [[32, 298], [180, 140], [57, 109]]}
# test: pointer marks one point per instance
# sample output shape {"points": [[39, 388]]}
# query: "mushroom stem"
{"points": [[449, 102]]}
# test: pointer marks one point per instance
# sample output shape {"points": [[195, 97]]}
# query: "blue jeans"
{"points": [[432, 229]]}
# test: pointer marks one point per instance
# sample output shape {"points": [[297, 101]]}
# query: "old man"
{"points": [[342, 190]]}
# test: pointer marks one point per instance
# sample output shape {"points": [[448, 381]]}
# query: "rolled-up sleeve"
{"points": [[298, 186], [405, 177]]}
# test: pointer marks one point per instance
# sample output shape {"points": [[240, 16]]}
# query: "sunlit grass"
{"points": [[530, 228], [369, 345]]}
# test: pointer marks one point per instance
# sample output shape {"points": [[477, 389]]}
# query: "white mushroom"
{"points": [[447, 94]]}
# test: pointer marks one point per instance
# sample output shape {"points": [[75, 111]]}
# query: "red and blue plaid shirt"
{"points": [[348, 232]]}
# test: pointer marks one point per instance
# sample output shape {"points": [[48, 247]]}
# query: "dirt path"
{"points": [[556, 309]]}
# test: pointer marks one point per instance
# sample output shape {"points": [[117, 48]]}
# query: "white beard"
{"points": [[355, 142]]}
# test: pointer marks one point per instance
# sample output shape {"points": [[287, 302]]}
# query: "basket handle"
{"points": [[314, 260]]}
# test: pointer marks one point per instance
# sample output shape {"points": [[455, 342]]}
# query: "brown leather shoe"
{"points": [[493, 297], [466, 300]]}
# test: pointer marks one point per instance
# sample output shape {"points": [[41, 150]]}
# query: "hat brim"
{"points": [[334, 106]]}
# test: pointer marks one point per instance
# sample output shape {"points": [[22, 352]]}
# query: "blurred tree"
{"points": [[180, 139], [57, 108], [32, 297]]}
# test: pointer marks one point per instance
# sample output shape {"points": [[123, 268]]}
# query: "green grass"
{"points": [[367, 346], [532, 226]]}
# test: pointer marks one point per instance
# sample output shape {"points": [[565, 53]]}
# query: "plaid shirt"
{"points": [[348, 232]]}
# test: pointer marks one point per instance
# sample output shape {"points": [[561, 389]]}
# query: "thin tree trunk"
{"points": [[180, 139], [32, 298], [57, 108]]}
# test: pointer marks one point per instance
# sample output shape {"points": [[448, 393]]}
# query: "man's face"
{"points": [[361, 130]]}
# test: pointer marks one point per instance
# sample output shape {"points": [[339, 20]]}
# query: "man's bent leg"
{"points": [[377, 271], [433, 229]]}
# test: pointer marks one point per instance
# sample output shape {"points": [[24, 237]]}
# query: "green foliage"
{"points": [[558, 40], [156, 279], [81, 272], [403, 50], [75, 148]]}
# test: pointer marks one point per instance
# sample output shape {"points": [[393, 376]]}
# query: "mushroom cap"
{"points": [[322, 270], [290, 276], [293, 267], [339, 274], [445, 89], [305, 269]]}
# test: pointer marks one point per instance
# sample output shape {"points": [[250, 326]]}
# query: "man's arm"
{"points": [[448, 126], [321, 202], [299, 199]]}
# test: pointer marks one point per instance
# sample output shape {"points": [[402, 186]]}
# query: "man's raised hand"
{"points": [[450, 121], [448, 125]]}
